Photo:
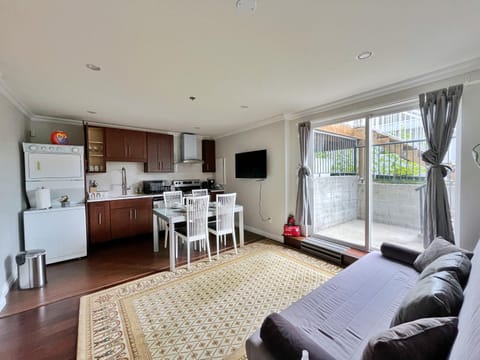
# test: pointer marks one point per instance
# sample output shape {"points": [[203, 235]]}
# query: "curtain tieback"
{"points": [[443, 167], [304, 171]]}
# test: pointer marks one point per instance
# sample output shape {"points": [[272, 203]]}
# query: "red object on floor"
{"points": [[291, 230]]}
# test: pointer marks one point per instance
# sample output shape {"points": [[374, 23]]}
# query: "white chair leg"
{"points": [[207, 243], [234, 241], [175, 243], [166, 234], [218, 246], [188, 255], [225, 240]]}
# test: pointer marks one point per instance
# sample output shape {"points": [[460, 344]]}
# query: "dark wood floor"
{"points": [[42, 323]]}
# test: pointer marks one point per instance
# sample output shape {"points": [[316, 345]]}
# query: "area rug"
{"points": [[205, 313]]}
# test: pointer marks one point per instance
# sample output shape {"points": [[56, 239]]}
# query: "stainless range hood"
{"points": [[189, 149]]}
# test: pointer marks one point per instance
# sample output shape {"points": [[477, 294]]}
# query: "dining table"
{"points": [[178, 215]]}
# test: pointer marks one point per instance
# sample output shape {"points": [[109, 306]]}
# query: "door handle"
{"points": [[130, 212], [99, 218], [38, 165], [135, 213]]}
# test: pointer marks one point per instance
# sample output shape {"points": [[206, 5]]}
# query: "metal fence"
{"points": [[393, 161]]}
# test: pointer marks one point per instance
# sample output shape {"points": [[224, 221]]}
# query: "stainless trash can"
{"points": [[31, 266]]}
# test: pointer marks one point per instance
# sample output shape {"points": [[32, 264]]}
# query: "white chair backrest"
{"points": [[225, 212], [197, 217], [199, 192], [172, 198]]}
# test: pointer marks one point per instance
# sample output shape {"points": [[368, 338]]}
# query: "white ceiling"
{"points": [[285, 57]]}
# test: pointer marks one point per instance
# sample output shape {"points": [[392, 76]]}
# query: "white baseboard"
{"points": [[278, 238], [5, 288]]}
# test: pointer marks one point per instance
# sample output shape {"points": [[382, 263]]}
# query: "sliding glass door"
{"points": [[339, 169], [369, 180]]}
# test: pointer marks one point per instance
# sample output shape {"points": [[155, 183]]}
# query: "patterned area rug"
{"points": [[205, 313]]}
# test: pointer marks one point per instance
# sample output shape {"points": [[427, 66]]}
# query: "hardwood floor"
{"points": [[42, 323]]}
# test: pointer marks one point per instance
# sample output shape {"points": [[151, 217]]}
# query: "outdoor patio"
{"points": [[353, 232]]}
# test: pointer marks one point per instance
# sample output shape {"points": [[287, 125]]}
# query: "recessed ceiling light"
{"points": [[244, 106], [196, 127], [93, 67], [364, 55], [246, 4], [91, 112]]}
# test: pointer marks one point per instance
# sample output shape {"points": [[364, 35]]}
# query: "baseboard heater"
{"points": [[324, 250]]}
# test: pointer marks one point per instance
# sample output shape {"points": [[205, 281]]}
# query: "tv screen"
{"points": [[251, 165]]}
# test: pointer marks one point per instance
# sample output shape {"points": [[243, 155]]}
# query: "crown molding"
{"points": [[437, 75], [267, 121], [53, 119], [10, 96]]}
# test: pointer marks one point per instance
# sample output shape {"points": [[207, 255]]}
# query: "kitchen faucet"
{"points": [[124, 181]]}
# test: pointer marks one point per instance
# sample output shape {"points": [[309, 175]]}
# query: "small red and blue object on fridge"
{"points": [[291, 230]]}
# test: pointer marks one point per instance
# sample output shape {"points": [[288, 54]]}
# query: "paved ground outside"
{"points": [[354, 232]]}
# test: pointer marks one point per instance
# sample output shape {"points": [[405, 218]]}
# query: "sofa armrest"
{"points": [[399, 253], [286, 341]]}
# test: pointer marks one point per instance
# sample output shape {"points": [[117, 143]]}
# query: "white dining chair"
{"points": [[199, 192], [196, 225], [171, 199], [225, 220]]}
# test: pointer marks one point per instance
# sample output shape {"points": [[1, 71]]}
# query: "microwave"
{"points": [[155, 186]]}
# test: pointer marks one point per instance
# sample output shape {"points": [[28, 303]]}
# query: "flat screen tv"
{"points": [[251, 165]]}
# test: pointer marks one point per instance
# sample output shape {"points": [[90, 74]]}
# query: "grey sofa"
{"points": [[360, 302]]}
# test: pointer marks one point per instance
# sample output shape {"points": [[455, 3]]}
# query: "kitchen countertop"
{"points": [[137, 196], [125, 197]]}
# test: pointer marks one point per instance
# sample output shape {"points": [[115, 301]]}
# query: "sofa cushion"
{"points": [[437, 248], [399, 253], [422, 339], [457, 263], [286, 341], [467, 343], [439, 294]]}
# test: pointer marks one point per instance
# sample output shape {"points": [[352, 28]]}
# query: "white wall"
{"points": [[270, 137], [468, 174], [13, 128], [40, 131]]}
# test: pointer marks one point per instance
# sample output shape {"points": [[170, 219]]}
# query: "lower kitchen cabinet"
{"points": [[130, 217], [99, 222], [119, 219]]}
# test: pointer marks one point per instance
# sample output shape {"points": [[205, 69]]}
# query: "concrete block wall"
{"points": [[335, 200]]}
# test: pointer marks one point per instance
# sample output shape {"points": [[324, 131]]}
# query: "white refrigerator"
{"points": [[61, 231]]}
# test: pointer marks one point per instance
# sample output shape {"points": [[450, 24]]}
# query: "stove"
{"points": [[186, 186]]}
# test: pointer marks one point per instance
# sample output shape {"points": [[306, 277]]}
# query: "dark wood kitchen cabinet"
{"points": [[125, 145], [130, 217], [99, 222], [159, 153], [208, 155]]}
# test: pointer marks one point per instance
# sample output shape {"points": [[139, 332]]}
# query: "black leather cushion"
{"points": [[439, 294], [286, 341], [457, 263], [437, 248], [399, 253], [423, 339]]}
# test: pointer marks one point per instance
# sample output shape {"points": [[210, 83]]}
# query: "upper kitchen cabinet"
{"points": [[159, 153], [125, 145], [95, 149], [208, 155]]}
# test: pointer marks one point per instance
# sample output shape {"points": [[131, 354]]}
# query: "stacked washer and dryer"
{"points": [[55, 187]]}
